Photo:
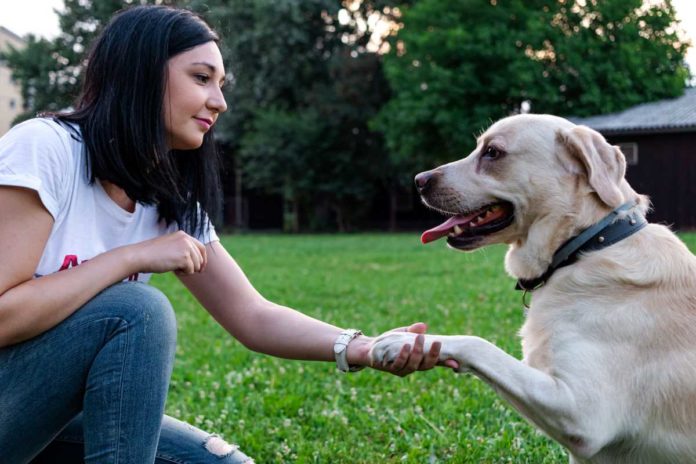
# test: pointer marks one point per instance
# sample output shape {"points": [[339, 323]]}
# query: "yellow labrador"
{"points": [[609, 342]]}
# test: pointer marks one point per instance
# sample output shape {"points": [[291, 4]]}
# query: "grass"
{"points": [[282, 411]]}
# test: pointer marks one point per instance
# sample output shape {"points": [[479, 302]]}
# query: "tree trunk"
{"points": [[340, 219], [295, 215], [392, 207], [291, 207], [239, 222]]}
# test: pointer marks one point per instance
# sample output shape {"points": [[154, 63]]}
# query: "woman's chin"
{"points": [[187, 144]]}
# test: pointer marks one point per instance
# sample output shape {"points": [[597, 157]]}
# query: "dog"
{"points": [[609, 340]]}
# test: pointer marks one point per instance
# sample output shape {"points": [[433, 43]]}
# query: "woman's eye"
{"points": [[202, 78], [491, 153]]}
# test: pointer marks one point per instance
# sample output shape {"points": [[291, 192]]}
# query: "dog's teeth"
{"points": [[457, 230]]}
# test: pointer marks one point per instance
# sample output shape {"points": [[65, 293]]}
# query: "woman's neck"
{"points": [[118, 195]]}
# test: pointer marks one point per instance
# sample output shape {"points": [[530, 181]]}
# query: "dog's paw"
{"points": [[386, 348]]}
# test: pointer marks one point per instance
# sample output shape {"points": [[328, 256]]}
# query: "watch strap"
{"points": [[341, 350]]}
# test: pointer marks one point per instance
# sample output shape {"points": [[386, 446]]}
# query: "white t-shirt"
{"points": [[45, 156]]}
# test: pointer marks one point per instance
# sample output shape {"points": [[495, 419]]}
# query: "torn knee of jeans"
{"points": [[219, 447]]}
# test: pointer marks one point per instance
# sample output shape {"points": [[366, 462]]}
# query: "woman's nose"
{"points": [[217, 101]]}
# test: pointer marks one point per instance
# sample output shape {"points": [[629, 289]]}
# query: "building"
{"points": [[659, 142], [11, 103]]}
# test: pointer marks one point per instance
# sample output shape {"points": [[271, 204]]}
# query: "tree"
{"points": [[355, 163], [609, 55], [49, 71], [456, 66], [303, 94], [277, 52], [38, 72]]}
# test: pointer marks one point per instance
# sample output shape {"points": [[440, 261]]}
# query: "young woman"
{"points": [[91, 203]]}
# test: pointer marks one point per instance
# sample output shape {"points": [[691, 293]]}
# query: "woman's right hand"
{"points": [[178, 252]]}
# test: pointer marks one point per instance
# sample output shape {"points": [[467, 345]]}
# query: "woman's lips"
{"points": [[204, 123]]}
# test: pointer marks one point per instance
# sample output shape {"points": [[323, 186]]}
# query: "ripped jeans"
{"points": [[92, 389]]}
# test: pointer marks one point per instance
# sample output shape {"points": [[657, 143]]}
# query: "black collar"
{"points": [[606, 232]]}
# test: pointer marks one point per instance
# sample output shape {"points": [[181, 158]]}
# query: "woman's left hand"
{"points": [[410, 358]]}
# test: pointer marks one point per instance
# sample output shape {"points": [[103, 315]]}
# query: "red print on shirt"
{"points": [[72, 261], [68, 262]]}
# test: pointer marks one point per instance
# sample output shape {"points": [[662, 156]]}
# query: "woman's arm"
{"points": [[266, 327], [28, 306]]}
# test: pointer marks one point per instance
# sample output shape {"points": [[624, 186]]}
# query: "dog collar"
{"points": [[601, 235]]}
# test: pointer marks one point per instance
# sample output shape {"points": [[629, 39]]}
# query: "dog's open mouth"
{"points": [[464, 229]]}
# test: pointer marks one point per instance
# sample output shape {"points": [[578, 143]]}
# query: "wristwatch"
{"points": [[341, 348]]}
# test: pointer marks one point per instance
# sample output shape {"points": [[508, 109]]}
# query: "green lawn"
{"points": [[290, 411]]}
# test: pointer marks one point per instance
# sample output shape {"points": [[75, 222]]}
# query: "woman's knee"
{"points": [[179, 440], [220, 451], [139, 307]]}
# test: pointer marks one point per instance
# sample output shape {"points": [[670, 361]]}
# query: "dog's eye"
{"points": [[492, 153]]}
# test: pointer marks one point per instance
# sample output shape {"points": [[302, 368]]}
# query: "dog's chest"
{"points": [[536, 345], [550, 332]]}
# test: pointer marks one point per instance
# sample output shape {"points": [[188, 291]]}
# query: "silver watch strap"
{"points": [[341, 349]]}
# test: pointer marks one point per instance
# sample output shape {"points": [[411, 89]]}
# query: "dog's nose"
{"points": [[425, 180]]}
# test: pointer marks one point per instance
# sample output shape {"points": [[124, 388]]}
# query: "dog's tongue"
{"points": [[446, 227]]}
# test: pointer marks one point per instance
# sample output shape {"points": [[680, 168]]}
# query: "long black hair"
{"points": [[120, 115]]}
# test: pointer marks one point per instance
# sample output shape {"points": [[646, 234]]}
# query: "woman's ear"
{"points": [[604, 164]]}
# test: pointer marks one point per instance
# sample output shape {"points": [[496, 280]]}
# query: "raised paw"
{"points": [[386, 348]]}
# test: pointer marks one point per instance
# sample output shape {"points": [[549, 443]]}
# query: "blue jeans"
{"points": [[93, 388]]}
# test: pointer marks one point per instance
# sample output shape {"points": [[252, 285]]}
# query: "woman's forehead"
{"points": [[207, 54]]}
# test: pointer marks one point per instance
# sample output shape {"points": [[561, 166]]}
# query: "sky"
{"points": [[37, 17]]}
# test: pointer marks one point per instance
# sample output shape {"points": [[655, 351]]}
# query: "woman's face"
{"points": [[193, 97]]}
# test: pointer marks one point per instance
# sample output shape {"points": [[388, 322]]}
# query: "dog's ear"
{"points": [[604, 164]]}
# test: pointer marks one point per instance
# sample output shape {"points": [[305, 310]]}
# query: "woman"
{"points": [[91, 203]]}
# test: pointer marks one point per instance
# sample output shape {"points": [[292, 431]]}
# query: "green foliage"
{"points": [[279, 153], [301, 101], [49, 71], [456, 66], [292, 142], [284, 411], [37, 71], [610, 55]]}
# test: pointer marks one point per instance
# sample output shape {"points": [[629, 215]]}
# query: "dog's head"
{"points": [[533, 181]]}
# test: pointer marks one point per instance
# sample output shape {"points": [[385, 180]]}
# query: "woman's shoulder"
{"points": [[46, 130], [44, 148], [41, 154], [45, 140]]}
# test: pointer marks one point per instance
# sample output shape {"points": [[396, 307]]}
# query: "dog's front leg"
{"points": [[545, 400]]}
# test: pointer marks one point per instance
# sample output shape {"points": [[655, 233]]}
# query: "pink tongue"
{"points": [[446, 227]]}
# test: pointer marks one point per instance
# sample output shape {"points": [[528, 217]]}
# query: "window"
{"points": [[630, 151], [13, 103]]}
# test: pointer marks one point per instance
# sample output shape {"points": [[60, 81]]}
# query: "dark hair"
{"points": [[119, 112]]}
